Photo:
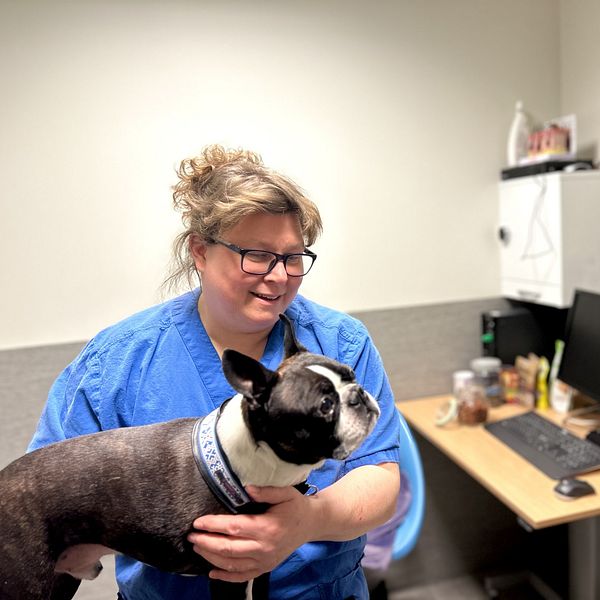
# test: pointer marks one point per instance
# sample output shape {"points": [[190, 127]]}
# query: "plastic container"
{"points": [[517, 137], [487, 374]]}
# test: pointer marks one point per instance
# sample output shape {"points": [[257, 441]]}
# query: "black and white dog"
{"points": [[137, 490]]}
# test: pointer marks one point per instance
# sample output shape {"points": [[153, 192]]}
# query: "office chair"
{"points": [[408, 532]]}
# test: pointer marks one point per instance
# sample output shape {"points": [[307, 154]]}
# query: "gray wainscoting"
{"points": [[26, 375], [422, 346]]}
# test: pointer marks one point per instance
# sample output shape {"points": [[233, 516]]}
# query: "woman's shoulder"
{"points": [[308, 312], [145, 327], [329, 326]]}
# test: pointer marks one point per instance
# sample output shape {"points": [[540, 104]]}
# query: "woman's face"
{"points": [[238, 301]]}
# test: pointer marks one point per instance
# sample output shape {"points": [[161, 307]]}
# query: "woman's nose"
{"points": [[278, 272]]}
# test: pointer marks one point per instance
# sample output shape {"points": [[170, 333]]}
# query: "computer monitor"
{"points": [[579, 366]]}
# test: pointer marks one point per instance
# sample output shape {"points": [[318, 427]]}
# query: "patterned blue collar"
{"points": [[216, 470], [214, 466]]}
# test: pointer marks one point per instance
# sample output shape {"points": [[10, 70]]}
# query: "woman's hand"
{"points": [[242, 547]]}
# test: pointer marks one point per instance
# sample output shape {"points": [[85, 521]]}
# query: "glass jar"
{"points": [[460, 380], [472, 404], [487, 374]]}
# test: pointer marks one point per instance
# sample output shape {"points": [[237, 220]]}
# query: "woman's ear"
{"points": [[198, 251]]}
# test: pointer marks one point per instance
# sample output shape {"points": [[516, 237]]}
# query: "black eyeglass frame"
{"points": [[277, 257]]}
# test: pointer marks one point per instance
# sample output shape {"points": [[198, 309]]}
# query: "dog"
{"points": [[137, 490]]}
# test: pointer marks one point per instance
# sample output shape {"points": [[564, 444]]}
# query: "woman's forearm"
{"points": [[362, 500]]}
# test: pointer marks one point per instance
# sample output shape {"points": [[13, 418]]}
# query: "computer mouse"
{"points": [[571, 488], [578, 166]]}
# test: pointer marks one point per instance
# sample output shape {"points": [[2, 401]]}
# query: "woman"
{"points": [[246, 235]]}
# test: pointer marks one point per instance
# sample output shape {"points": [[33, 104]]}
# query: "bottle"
{"points": [[542, 384], [518, 136], [559, 347]]}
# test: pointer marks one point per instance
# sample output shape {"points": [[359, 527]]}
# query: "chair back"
{"points": [[408, 532]]}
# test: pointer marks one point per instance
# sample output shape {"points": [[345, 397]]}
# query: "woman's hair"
{"points": [[220, 187]]}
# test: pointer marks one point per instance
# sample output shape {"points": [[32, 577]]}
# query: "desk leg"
{"points": [[584, 554]]}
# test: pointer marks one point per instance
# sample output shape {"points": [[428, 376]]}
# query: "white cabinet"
{"points": [[549, 232]]}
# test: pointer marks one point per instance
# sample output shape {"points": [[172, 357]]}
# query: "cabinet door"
{"points": [[531, 244]]}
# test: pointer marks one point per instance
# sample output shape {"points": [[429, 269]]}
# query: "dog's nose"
{"points": [[359, 399]]}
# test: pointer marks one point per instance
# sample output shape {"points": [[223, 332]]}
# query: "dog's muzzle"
{"points": [[358, 416]]}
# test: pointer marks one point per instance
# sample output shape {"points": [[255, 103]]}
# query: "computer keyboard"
{"points": [[547, 446]]}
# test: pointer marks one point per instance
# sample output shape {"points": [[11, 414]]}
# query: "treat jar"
{"points": [[472, 405], [487, 374]]}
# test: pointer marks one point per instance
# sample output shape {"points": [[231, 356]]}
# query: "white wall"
{"points": [[580, 75], [393, 116]]}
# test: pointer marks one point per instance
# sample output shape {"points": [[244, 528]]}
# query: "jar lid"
{"points": [[486, 363], [463, 375]]}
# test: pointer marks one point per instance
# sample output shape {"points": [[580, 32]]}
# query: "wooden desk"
{"points": [[513, 480]]}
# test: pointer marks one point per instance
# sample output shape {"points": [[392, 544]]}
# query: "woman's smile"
{"points": [[265, 297]]}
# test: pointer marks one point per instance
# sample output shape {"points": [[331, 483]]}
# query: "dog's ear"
{"points": [[291, 345], [247, 376]]}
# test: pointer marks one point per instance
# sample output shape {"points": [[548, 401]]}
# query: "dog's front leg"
{"points": [[225, 590], [260, 587], [64, 587], [255, 589]]}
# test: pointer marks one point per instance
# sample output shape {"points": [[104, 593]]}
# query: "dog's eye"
{"points": [[327, 405]]}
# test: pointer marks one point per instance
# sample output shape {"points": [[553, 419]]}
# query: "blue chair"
{"points": [[408, 532]]}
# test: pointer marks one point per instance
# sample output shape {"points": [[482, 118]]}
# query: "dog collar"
{"points": [[214, 466], [216, 471]]}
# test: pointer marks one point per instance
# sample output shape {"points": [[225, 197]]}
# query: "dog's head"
{"points": [[308, 410]]}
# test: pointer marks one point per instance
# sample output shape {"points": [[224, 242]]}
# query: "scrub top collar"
{"points": [[187, 320]]}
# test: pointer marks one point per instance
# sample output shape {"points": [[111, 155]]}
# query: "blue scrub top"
{"points": [[160, 364]]}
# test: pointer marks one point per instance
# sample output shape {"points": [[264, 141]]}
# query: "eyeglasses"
{"points": [[261, 262]]}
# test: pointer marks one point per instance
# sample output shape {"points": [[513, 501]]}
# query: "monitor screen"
{"points": [[580, 366]]}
